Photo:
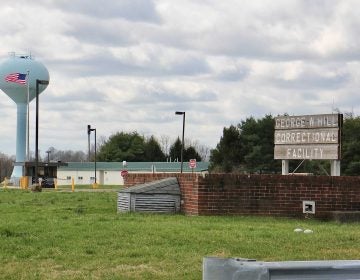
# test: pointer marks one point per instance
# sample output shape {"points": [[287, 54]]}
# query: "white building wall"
{"points": [[87, 177], [113, 178]]}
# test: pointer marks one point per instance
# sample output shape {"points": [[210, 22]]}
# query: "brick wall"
{"points": [[273, 195]]}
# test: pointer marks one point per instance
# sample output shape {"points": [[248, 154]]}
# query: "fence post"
{"points": [[72, 184]]}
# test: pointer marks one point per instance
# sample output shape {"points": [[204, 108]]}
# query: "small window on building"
{"points": [[80, 178], [92, 178], [68, 177]]}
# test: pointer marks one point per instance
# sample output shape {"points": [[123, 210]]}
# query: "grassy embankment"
{"points": [[64, 235]]}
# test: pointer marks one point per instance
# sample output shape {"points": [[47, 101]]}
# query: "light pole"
{"points": [[89, 131], [95, 155], [38, 82], [182, 142]]}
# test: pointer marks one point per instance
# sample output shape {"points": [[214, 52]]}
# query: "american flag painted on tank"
{"points": [[17, 78]]}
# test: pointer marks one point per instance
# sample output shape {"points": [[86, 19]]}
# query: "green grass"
{"points": [[64, 235], [88, 187]]}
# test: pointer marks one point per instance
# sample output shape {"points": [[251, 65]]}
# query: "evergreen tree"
{"points": [[175, 150], [152, 150], [123, 146], [257, 140], [227, 155], [249, 146], [191, 153], [350, 162]]}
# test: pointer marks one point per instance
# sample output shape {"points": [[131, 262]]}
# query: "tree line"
{"points": [[131, 146], [248, 147], [135, 147], [119, 147]]}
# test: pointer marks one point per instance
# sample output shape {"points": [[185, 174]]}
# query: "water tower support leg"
{"points": [[20, 140]]}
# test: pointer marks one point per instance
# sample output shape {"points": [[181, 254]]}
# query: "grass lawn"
{"points": [[86, 187], [65, 235]]}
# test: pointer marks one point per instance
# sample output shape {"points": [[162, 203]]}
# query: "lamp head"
{"points": [[42, 82]]}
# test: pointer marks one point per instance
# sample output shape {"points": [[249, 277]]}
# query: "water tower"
{"points": [[18, 79]]}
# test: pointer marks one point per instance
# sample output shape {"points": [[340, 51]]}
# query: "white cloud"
{"points": [[129, 65]]}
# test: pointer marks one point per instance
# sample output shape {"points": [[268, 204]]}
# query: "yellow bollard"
{"points": [[22, 186], [95, 185], [26, 182], [72, 185], [5, 182], [22, 182], [55, 184]]}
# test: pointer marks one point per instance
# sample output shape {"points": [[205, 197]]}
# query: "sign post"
{"points": [[309, 137], [285, 167]]}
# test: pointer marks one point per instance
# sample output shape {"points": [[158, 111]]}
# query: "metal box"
{"points": [[243, 269], [162, 196]]}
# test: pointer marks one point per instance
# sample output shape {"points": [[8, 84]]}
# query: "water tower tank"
{"points": [[18, 75]]}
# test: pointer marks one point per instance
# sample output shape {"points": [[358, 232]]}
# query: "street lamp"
{"points": [[38, 82], [89, 131], [182, 142]]}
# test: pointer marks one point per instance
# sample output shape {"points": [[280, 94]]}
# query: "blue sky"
{"points": [[129, 65]]}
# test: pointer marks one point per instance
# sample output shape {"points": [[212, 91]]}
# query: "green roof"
{"points": [[135, 166]]}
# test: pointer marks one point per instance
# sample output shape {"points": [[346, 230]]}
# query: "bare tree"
{"points": [[66, 156], [204, 152], [100, 142], [6, 166], [165, 144]]}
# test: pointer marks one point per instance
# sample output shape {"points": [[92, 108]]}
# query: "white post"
{"points": [[335, 168], [285, 167]]}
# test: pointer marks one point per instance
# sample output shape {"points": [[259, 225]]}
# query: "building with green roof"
{"points": [[109, 173]]}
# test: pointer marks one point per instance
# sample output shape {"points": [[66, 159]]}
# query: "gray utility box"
{"points": [[243, 269], [162, 196]]}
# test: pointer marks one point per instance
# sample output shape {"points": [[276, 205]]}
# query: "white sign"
{"points": [[308, 121], [301, 136], [306, 152], [308, 137]]}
